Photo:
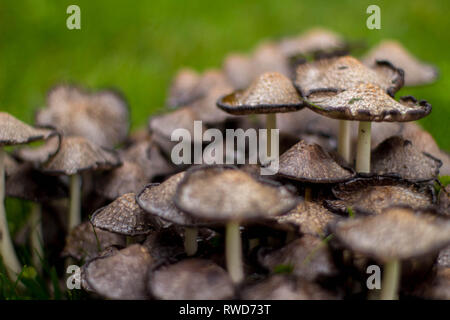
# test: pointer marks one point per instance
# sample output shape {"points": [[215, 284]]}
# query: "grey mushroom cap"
{"points": [[191, 279], [225, 193], [40, 154], [310, 163], [267, 57], [239, 70], [15, 132], [399, 156], [444, 200], [182, 86], [76, 154], [124, 216], [396, 233], [165, 245], [122, 275], [366, 102], [101, 117], [271, 92]]}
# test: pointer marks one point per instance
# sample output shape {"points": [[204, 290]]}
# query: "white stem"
{"points": [[190, 241], [8, 253], [233, 250], [363, 151], [344, 140], [37, 252], [75, 201], [391, 280], [271, 123]]}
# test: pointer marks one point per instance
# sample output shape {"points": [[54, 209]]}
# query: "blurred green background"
{"points": [[137, 46]]}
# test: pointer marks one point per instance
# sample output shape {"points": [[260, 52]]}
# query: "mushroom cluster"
{"points": [[344, 197]]}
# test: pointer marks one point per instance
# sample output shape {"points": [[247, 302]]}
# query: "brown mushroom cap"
{"points": [[238, 69], [267, 57], [398, 156], [366, 102], [396, 233], [165, 245], [191, 279], [76, 154], [14, 131], [182, 86], [271, 92], [444, 200], [122, 275], [39, 154], [416, 72], [224, 193], [310, 163]]}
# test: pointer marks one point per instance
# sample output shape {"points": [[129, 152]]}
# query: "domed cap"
{"points": [[344, 73], [416, 72], [238, 69], [181, 88], [191, 279], [267, 57], [122, 275], [14, 131], [224, 193], [271, 92], [366, 102], [396, 233], [398, 156], [101, 117], [310, 163], [76, 154]]}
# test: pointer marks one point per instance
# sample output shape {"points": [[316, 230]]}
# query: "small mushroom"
{"points": [[182, 86], [191, 279], [239, 70], [267, 57]]}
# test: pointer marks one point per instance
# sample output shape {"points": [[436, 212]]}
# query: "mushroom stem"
{"points": [[344, 140], [233, 248], [37, 252], [190, 241], [391, 279], [75, 201], [363, 151], [307, 194], [8, 253], [271, 123]]}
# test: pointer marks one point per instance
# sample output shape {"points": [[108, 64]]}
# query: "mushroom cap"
{"points": [[14, 131], [191, 279], [343, 73], [396, 233], [310, 163], [225, 193], [444, 200], [101, 117], [416, 72], [238, 69], [267, 57], [39, 154], [157, 199], [374, 194], [271, 92], [124, 216], [76, 154], [181, 88], [399, 156], [122, 275], [366, 102], [165, 245]]}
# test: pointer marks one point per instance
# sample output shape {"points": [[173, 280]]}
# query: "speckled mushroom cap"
{"points": [[181, 88], [416, 72], [122, 275], [399, 156], [444, 200], [366, 102], [101, 117], [157, 199], [396, 233], [310, 163], [224, 193], [191, 279], [238, 69], [129, 177], [40, 154], [271, 92], [374, 194], [124, 216], [344, 73], [76, 154], [14, 131]]}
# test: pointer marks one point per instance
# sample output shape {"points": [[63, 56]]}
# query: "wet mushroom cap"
{"points": [[271, 92], [396, 233], [224, 193], [191, 279], [366, 102], [310, 163], [398, 156], [122, 275]]}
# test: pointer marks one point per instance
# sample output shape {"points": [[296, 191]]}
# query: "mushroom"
{"points": [[13, 132], [267, 57], [239, 70], [394, 235], [191, 279], [228, 195], [77, 155], [182, 86], [444, 200]]}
